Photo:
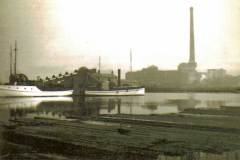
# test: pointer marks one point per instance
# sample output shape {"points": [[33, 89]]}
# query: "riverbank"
{"points": [[129, 136], [156, 126], [193, 89]]}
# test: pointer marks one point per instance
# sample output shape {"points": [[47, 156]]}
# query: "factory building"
{"points": [[215, 74], [79, 80]]}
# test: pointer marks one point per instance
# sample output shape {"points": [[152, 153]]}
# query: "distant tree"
{"points": [[66, 73], [60, 75], [53, 76], [152, 67], [47, 78]]}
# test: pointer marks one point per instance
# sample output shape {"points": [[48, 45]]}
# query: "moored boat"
{"points": [[140, 91], [30, 91], [18, 85]]}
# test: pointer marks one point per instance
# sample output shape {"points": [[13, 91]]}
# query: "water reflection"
{"points": [[65, 108], [151, 104]]}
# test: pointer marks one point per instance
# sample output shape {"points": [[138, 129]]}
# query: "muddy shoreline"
{"points": [[126, 136]]}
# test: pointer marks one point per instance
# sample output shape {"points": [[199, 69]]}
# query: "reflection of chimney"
{"points": [[119, 105], [99, 65], [119, 77], [192, 45]]}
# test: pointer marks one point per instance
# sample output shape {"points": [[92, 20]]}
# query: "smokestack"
{"points": [[192, 43], [130, 59], [119, 77]]}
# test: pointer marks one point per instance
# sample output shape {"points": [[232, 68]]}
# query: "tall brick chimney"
{"points": [[192, 43]]}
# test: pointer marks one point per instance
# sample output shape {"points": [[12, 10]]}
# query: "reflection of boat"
{"points": [[30, 101], [29, 91], [117, 92], [20, 107]]}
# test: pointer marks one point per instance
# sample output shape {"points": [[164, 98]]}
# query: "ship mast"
{"points": [[10, 59], [15, 64]]}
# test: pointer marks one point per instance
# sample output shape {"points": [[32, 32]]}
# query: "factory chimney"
{"points": [[192, 43], [130, 59]]}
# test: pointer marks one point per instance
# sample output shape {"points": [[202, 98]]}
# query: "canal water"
{"points": [[151, 104]]}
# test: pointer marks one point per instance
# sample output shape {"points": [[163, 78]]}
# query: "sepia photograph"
{"points": [[119, 79]]}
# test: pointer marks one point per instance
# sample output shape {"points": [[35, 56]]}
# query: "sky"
{"points": [[55, 36]]}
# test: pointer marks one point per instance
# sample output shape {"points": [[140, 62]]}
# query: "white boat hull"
{"points": [[29, 91], [120, 92]]}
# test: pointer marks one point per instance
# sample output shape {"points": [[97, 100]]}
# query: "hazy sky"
{"points": [[61, 35]]}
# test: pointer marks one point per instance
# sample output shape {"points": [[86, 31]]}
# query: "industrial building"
{"points": [[185, 75], [81, 79]]}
